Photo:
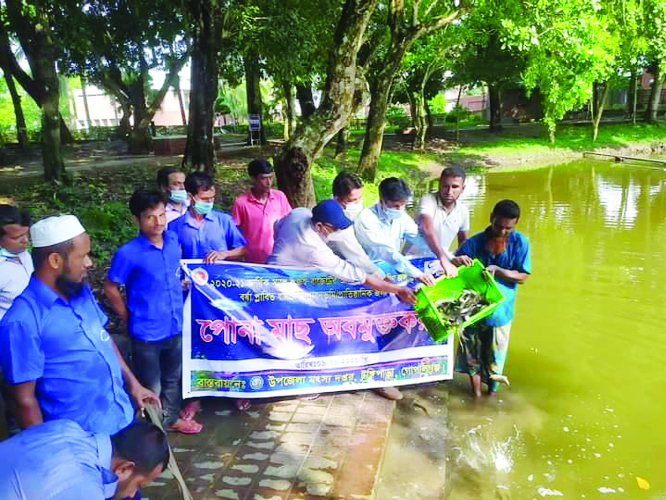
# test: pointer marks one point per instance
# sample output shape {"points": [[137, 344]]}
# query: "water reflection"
{"points": [[584, 414]]}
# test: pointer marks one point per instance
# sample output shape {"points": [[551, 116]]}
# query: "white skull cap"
{"points": [[54, 230]]}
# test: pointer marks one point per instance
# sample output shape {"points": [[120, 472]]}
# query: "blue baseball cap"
{"points": [[330, 212]]}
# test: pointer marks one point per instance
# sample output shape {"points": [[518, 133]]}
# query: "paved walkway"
{"points": [[330, 448]]}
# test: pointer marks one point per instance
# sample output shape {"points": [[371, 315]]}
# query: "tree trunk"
{"points": [[595, 99], [600, 110], [290, 110], [335, 111], [21, 129], [458, 113], [200, 148], [631, 95], [253, 91], [181, 104], [635, 100], [341, 142], [374, 129], [495, 101], [305, 99], [428, 113], [85, 103], [139, 141], [655, 94], [54, 166], [421, 123], [124, 126]]}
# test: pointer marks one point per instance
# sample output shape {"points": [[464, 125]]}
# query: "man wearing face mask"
{"points": [[384, 228], [171, 183], [58, 460], [300, 241], [15, 261], [348, 192], [54, 349], [204, 233]]}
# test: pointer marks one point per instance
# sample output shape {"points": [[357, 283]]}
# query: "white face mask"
{"points": [[352, 209], [392, 213]]}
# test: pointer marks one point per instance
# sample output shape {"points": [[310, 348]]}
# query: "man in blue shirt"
{"points": [[205, 233], [506, 255], [54, 350], [58, 460], [149, 268]]}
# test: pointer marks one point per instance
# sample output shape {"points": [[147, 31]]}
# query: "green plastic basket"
{"points": [[472, 277]]}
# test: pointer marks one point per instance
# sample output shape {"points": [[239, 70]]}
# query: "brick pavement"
{"points": [[330, 448]]}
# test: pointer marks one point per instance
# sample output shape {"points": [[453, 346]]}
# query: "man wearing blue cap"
{"points": [[300, 241]]}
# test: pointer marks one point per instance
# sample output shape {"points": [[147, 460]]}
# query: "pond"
{"points": [[583, 416]]}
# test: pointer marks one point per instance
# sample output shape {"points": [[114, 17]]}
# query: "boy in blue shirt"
{"points": [[506, 255], [149, 268], [204, 233]]}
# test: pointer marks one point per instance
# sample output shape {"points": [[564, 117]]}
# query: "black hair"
{"points": [[41, 254], [144, 444], [198, 180], [163, 176], [344, 183], [452, 172], [9, 214], [144, 199], [507, 209], [259, 166], [394, 189]]}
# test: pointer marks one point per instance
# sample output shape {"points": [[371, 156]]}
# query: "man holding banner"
{"points": [[300, 241]]}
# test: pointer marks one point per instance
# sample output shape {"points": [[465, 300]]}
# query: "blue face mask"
{"points": [[178, 195], [203, 207], [393, 213]]}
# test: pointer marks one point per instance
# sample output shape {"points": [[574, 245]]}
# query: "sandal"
{"points": [[242, 404], [185, 427], [190, 410]]}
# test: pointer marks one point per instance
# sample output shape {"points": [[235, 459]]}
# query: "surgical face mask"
{"points": [[352, 209], [6, 253], [178, 195], [203, 207], [393, 213]]}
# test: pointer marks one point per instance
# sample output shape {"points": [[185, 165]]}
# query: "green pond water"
{"points": [[585, 412]]}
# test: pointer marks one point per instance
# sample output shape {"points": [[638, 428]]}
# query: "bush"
{"points": [[396, 116]]}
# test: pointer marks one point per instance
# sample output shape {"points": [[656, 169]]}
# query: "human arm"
{"points": [[405, 294], [116, 299], [140, 395], [232, 239], [345, 244], [28, 412], [462, 236], [233, 254], [428, 230], [508, 274]]}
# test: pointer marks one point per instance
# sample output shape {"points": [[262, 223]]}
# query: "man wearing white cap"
{"points": [[54, 349]]}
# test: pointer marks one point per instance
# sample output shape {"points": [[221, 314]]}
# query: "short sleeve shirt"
{"points": [[64, 347], [447, 225], [217, 233], [14, 277], [256, 219], [56, 460], [515, 257], [151, 277]]}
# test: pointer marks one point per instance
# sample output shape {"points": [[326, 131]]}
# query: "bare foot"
{"points": [[186, 427], [476, 385]]}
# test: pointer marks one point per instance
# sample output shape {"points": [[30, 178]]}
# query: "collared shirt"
{"points": [[66, 350], [447, 225], [56, 460], [345, 245], [298, 244], [383, 238], [172, 212], [256, 219], [151, 277], [216, 233], [14, 277], [515, 257]]}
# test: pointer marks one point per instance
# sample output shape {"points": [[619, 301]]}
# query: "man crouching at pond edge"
{"points": [[506, 255]]}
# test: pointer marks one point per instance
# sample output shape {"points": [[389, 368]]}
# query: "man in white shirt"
{"points": [[300, 241], [441, 217], [15, 261], [348, 192], [383, 229], [171, 183]]}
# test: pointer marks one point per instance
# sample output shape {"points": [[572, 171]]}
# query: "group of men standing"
{"points": [[59, 362]]}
